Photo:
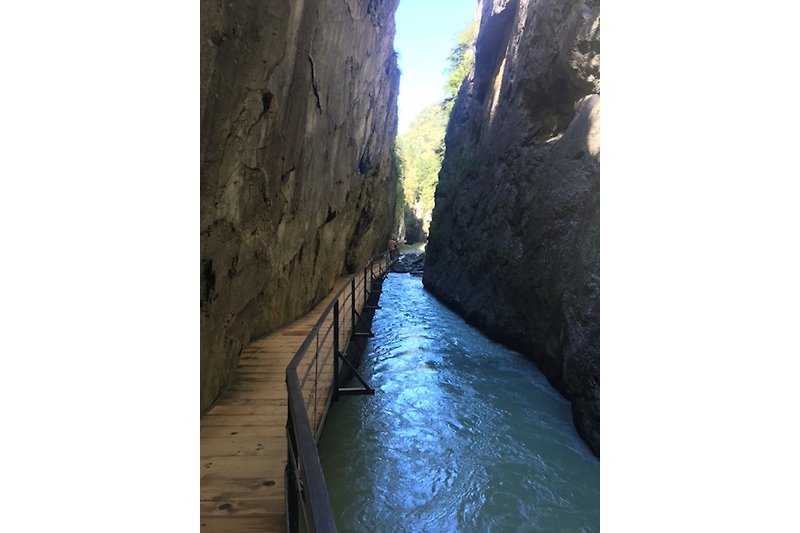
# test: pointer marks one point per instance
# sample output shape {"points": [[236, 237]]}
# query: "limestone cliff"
{"points": [[298, 119], [514, 243]]}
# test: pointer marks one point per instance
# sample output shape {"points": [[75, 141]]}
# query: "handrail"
{"points": [[308, 493]]}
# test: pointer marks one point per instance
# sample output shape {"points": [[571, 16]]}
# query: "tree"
{"points": [[420, 150], [461, 61]]}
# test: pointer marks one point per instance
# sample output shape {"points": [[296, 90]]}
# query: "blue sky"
{"points": [[426, 32]]}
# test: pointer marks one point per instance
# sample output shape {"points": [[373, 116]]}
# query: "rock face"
{"points": [[298, 118], [408, 263], [514, 244]]}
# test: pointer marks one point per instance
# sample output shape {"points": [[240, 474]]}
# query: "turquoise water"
{"points": [[461, 435]]}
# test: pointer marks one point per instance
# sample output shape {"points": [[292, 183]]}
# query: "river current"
{"points": [[462, 434]]}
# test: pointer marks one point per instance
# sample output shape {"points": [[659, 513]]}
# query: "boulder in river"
{"points": [[409, 264]]}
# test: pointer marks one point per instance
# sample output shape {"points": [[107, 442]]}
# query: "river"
{"points": [[462, 434]]}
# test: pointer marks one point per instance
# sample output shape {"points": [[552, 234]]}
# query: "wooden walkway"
{"points": [[243, 446]]}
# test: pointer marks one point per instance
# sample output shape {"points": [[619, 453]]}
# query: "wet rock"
{"points": [[297, 186], [409, 263], [514, 241]]}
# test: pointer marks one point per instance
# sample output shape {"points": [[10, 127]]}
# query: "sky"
{"points": [[426, 32]]}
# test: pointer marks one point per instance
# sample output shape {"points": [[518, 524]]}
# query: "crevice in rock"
{"points": [[232, 269], [285, 175], [314, 83], [331, 215], [363, 163], [231, 131], [207, 282]]}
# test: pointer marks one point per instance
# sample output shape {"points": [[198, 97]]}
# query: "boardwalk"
{"points": [[243, 446]]}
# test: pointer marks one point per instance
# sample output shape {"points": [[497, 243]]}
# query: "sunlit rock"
{"points": [[514, 242]]}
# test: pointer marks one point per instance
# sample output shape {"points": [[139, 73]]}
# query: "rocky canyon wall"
{"points": [[298, 120], [514, 242]]}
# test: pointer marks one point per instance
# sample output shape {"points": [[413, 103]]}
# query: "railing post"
{"points": [[365, 285], [336, 350], [352, 306], [290, 481]]}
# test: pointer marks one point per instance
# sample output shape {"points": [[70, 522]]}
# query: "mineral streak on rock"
{"points": [[298, 119], [514, 242]]}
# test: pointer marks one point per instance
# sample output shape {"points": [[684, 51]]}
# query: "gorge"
{"points": [[300, 186]]}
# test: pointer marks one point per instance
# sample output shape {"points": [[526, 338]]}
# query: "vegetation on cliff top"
{"points": [[420, 150], [461, 61]]}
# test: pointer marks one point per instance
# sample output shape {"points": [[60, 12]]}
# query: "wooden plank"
{"points": [[284, 345], [243, 524], [254, 365], [278, 338], [278, 367], [242, 466], [237, 445], [260, 381], [260, 394], [273, 356], [242, 507], [249, 363], [272, 350], [278, 362], [249, 409], [247, 487], [243, 431], [243, 385], [257, 371], [244, 420], [278, 402]]}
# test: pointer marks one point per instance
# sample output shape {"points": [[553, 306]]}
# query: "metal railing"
{"points": [[312, 381]]}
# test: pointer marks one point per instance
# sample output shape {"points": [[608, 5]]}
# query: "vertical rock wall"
{"points": [[298, 119], [514, 243]]}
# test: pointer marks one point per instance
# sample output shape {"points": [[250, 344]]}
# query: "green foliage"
{"points": [[461, 61], [413, 226], [399, 201], [420, 150]]}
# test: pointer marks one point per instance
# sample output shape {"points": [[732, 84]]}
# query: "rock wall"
{"points": [[514, 243], [298, 120]]}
